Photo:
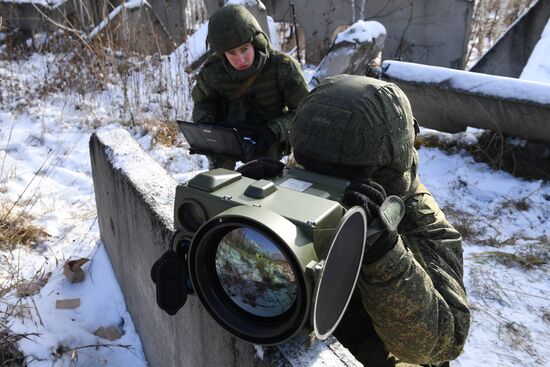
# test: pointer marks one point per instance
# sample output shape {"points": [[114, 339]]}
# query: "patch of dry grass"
{"points": [[163, 132], [532, 253], [80, 67], [10, 355], [523, 260], [18, 230], [435, 141], [498, 152], [464, 222]]}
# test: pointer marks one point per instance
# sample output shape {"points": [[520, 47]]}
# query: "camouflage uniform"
{"points": [[273, 97], [410, 305]]}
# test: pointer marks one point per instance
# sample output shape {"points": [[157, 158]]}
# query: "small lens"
{"points": [[254, 273], [191, 215]]}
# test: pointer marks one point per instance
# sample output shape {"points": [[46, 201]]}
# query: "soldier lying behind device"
{"points": [[410, 305]]}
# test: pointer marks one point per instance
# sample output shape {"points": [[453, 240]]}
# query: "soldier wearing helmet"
{"points": [[410, 306], [246, 83], [411, 303]]}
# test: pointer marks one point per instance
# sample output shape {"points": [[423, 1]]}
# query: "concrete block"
{"points": [[424, 31], [134, 197], [23, 15], [511, 52], [135, 28], [178, 17], [36, 17], [171, 15], [451, 100], [82, 14], [352, 55]]}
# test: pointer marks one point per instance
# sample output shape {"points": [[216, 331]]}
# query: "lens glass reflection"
{"points": [[254, 273]]}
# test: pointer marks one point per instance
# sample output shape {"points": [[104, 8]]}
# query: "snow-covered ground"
{"points": [[504, 222], [45, 172], [538, 67]]}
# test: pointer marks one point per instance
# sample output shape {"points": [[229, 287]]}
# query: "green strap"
{"points": [[244, 87]]}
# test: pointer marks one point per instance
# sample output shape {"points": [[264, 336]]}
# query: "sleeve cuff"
{"points": [[389, 264]]}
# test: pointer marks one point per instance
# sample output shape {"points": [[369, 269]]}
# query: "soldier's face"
{"points": [[242, 57]]}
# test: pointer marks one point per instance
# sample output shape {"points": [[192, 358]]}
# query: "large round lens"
{"points": [[254, 273]]}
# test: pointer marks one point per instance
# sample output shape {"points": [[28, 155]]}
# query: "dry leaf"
{"points": [[111, 332], [73, 270], [32, 287]]}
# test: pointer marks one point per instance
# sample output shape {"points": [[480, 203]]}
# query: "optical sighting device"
{"points": [[265, 257]]}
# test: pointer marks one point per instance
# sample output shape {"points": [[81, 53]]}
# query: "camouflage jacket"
{"points": [[271, 100], [414, 296]]}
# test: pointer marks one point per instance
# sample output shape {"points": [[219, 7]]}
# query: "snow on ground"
{"points": [[64, 330], [44, 167], [505, 217], [538, 65]]}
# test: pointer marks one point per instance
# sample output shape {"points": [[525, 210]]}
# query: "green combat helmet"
{"points": [[232, 26], [358, 127]]}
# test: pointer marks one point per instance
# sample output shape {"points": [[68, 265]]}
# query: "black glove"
{"points": [[370, 196], [265, 138], [261, 168]]}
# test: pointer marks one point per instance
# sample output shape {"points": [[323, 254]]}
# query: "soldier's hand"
{"points": [[261, 168], [370, 196], [367, 194], [265, 138]]}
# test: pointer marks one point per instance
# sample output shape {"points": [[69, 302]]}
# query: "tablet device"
{"points": [[216, 139]]}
